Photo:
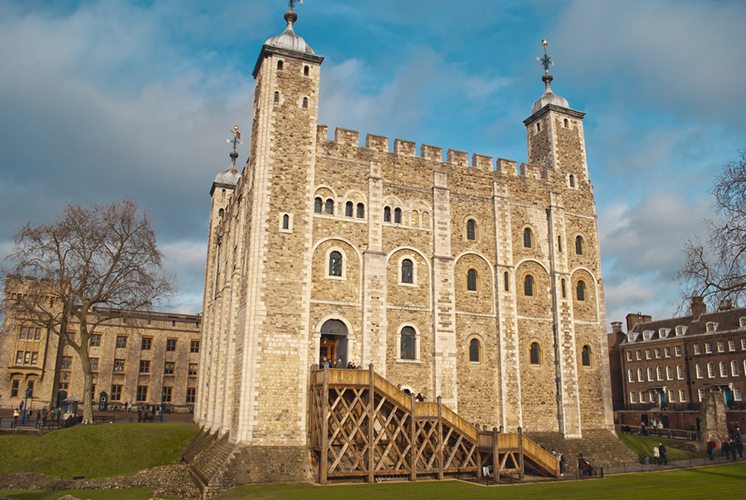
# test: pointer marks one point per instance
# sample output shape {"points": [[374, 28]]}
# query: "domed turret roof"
{"points": [[228, 176], [548, 97], [289, 40]]}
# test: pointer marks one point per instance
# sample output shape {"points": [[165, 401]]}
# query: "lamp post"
{"points": [[25, 405]]}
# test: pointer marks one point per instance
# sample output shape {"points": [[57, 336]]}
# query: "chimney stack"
{"points": [[698, 307], [616, 327], [725, 305], [634, 318]]}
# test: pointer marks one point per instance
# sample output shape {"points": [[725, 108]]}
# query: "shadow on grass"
{"points": [[711, 471]]}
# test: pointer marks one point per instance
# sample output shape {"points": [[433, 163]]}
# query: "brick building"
{"points": [[664, 368], [137, 358], [472, 280]]}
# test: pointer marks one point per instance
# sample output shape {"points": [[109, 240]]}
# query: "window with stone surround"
{"points": [[191, 394], [720, 346], [169, 367], [640, 375], [475, 351], [285, 222], [563, 286], [142, 393], [192, 369], [535, 353], [696, 349], [731, 345], [144, 366], [348, 209], [580, 291], [666, 352], [408, 343], [280, 64], [194, 346], [737, 396], [528, 238], [629, 355], [579, 245], [528, 286], [651, 376], [506, 281], [335, 264], [677, 351], [329, 206], [586, 355], [386, 214], [698, 370], [360, 211], [67, 362], [471, 280], [682, 395], [170, 345], [734, 368], [121, 341], [318, 204], [305, 102], [397, 215], [657, 353], [407, 271], [116, 392], [632, 397], [679, 372], [659, 373], [723, 369], [708, 348], [571, 179], [669, 373], [471, 230], [19, 357], [305, 70], [630, 375], [711, 370], [118, 366], [277, 97], [146, 344]]}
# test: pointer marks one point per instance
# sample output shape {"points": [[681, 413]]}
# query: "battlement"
{"points": [[381, 144]]}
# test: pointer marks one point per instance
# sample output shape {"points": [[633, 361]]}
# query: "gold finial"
{"points": [[235, 140]]}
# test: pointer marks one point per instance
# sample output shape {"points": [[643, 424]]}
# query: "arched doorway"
{"points": [[333, 343]]}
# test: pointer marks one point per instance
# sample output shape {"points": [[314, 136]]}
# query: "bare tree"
{"points": [[85, 270], [716, 269]]}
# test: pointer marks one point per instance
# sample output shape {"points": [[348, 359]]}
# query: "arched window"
{"points": [[318, 203], [305, 70], [408, 343], [277, 97], [285, 221], [360, 211], [679, 372], [280, 65], [723, 369], [386, 214], [581, 290], [528, 238], [640, 375], [559, 244], [586, 356], [471, 230], [348, 209], [669, 373], [711, 370], [407, 271], [535, 353], [305, 102], [528, 286], [566, 123], [572, 181], [335, 264], [650, 374], [579, 245], [474, 351], [564, 292], [506, 281], [538, 126], [698, 370], [330, 206], [471, 280], [659, 373], [630, 375], [397, 215]]}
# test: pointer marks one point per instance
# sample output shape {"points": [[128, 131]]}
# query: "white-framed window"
{"points": [[734, 368], [698, 370], [742, 322], [671, 396], [407, 272], [679, 372], [650, 374], [642, 397], [710, 370], [640, 375], [711, 326], [700, 394], [682, 395], [629, 355], [630, 375], [743, 344], [731, 345], [667, 352], [695, 349], [647, 335], [680, 330], [408, 343], [737, 394], [651, 396], [648, 354], [677, 351], [632, 397], [657, 353], [659, 373], [638, 355], [335, 264], [669, 373], [721, 346], [663, 332], [708, 348], [723, 369]]}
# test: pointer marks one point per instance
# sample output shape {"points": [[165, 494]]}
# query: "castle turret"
{"points": [[554, 131]]}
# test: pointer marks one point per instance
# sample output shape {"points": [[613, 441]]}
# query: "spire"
{"points": [[288, 39], [549, 97], [230, 175]]}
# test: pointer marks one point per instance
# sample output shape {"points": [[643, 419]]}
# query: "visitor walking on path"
{"points": [[711, 448], [656, 455], [662, 452]]}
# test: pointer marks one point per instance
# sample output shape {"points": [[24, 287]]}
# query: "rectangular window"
{"points": [[142, 393], [22, 333], [682, 395], [737, 394], [116, 392], [67, 362], [94, 364], [121, 341], [721, 347], [642, 397], [168, 368], [191, 394], [118, 366], [696, 348], [19, 357], [37, 333], [147, 343], [647, 354], [167, 394], [193, 369], [700, 394], [171, 345], [27, 357], [657, 353], [62, 386], [743, 344], [30, 388], [629, 355], [95, 341], [667, 352], [708, 348], [34, 358], [144, 366], [671, 396], [14, 388], [731, 345], [194, 346], [677, 351], [638, 356]]}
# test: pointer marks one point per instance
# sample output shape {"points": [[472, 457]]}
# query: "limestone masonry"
{"points": [[473, 280]]}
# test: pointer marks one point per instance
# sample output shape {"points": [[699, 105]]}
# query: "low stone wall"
{"points": [[271, 464]]}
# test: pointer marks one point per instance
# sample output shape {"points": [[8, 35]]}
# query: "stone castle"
{"points": [[476, 281]]}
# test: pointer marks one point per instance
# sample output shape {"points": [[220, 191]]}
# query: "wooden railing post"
{"points": [[495, 454], [440, 439], [371, 421], [412, 440], [323, 461], [520, 450]]}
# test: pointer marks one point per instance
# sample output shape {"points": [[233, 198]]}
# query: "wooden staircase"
{"points": [[362, 426]]}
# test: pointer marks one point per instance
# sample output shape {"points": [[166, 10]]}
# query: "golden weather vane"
{"points": [[236, 139], [293, 2]]}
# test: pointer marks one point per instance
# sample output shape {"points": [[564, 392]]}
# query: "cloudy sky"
{"points": [[101, 100]]}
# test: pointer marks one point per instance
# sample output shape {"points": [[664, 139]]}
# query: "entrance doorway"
{"points": [[333, 343]]}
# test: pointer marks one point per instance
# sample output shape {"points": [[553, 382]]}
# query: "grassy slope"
{"points": [[643, 445], [724, 481], [131, 494], [96, 450]]}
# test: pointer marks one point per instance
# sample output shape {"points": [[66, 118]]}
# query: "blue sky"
{"points": [[112, 99]]}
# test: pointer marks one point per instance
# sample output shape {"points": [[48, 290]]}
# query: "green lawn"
{"points": [[721, 481], [95, 451], [131, 494], [643, 445]]}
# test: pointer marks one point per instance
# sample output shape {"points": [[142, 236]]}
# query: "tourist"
{"points": [[339, 363], [662, 452], [725, 448], [139, 414], [711, 447], [16, 414], [562, 463], [38, 418], [732, 448], [584, 466], [660, 425], [656, 455]]}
